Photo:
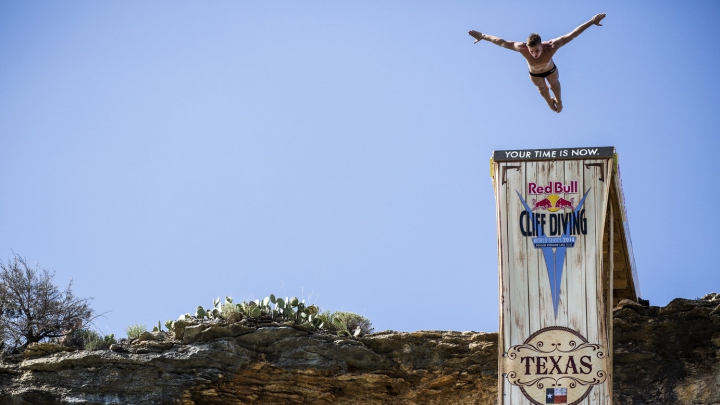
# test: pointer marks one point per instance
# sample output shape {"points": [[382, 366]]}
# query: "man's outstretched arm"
{"points": [[558, 42], [495, 40]]}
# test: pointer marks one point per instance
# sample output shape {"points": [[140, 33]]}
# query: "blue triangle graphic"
{"points": [[554, 257]]}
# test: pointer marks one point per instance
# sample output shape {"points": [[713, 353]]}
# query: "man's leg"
{"points": [[554, 80], [539, 82]]}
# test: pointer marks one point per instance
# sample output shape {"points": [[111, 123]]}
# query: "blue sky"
{"points": [[161, 154]]}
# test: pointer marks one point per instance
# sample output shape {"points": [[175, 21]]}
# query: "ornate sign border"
{"points": [[598, 350]]}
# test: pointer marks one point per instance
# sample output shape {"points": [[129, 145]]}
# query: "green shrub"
{"points": [[232, 313], [134, 331], [288, 311], [78, 338], [346, 322], [88, 339], [96, 342], [326, 321]]}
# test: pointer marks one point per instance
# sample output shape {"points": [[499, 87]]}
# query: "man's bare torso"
{"points": [[544, 62], [539, 57]]}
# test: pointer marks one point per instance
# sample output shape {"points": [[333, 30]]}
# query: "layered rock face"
{"points": [[662, 356], [274, 364], [668, 355]]}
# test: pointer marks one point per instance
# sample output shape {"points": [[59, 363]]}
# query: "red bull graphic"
{"points": [[563, 203], [554, 187], [542, 204], [553, 203]]}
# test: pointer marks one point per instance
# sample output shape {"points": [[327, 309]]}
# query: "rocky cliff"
{"points": [[663, 355], [668, 355]]}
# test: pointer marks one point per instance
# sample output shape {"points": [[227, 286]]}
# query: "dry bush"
{"points": [[32, 308]]}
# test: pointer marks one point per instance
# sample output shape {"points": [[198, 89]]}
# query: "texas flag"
{"points": [[556, 396]]}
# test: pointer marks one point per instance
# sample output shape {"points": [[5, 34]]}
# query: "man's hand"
{"points": [[598, 17], [478, 36], [513, 46]]}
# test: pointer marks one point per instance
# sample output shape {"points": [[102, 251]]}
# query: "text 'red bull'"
{"points": [[553, 187]]}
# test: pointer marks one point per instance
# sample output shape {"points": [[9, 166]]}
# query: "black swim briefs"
{"points": [[544, 74]]}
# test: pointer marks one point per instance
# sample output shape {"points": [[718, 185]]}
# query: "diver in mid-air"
{"points": [[539, 58]]}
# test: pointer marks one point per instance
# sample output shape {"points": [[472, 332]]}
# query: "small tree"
{"points": [[32, 308]]}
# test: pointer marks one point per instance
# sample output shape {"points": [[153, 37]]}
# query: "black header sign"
{"points": [[553, 154]]}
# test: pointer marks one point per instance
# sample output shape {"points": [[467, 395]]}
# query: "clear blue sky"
{"points": [[161, 154]]}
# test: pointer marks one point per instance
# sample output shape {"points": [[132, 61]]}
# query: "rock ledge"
{"points": [[665, 355]]}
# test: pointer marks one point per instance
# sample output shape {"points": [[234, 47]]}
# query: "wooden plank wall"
{"points": [[525, 296], [625, 283]]}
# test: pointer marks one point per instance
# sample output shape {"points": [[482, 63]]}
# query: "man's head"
{"points": [[534, 44]]}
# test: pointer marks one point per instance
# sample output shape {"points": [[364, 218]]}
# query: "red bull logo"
{"points": [[553, 187], [553, 203]]}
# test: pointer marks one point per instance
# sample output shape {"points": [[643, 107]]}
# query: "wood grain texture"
{"points": [[526, 302]]}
